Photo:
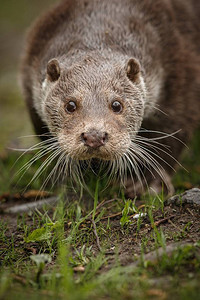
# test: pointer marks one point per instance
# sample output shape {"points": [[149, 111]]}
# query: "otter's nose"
{"points": [[94, 139]]}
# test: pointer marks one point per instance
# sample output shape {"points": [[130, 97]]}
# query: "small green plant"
{"points": [[95, 198], [129, 208], [41, 260]]}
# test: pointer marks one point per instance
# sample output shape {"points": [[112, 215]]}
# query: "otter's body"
{"points": [[96, 71]]}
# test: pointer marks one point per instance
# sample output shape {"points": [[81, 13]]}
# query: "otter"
{"points": [[116, 81]]}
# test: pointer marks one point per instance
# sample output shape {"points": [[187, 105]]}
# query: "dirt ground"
{"points": [[179, 224]]}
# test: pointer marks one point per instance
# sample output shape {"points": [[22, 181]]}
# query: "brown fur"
{"points": [[93, 43]]}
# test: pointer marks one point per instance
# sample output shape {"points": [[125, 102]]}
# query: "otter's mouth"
{"points": [[97, 153]]}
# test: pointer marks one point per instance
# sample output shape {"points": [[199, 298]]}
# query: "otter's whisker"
{"points": [[45, 164], [37, 156], [37, 146], [151, 154], [135, 166], [155, 147], [163, 135], [147, 158], [53, 172], [123, 178]]}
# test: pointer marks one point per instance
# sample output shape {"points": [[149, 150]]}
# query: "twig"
{"points": [[190, 212], [112, 216], [20, 279], [119, 213], [98, 206], [182, 231], [106, 202], [157, 223], [95, 233], [177, 227], [30, 206], [141, 206]]}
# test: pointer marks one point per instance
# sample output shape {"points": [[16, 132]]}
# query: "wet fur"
{"points": [[93, 40]]}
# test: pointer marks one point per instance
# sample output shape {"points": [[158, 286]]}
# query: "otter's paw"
{"points": [[152, 187]]}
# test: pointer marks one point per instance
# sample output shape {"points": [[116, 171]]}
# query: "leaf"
{"points": [[41, 259], [39, 234], [43, 233], [125, 219]]}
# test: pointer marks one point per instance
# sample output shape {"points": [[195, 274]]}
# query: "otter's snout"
{"points": [[94, 139]]}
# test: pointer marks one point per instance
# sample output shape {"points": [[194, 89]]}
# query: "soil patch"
{"points": [[176, 223]]}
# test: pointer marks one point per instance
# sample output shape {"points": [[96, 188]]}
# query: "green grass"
{"points": [[64, 239], [36, 276]]}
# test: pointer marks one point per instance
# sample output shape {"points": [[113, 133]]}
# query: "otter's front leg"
{"points": [[151, 184], [159, 154]]}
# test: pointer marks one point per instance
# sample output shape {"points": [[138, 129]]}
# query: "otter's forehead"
{"points": [[95, 75]]}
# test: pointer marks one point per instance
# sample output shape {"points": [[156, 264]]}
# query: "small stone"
{"points": [[191, 196], [79, 269], [157, 294]]}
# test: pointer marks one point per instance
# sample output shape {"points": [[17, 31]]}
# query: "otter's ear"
{"points": [[133, 69], [53, 70]]}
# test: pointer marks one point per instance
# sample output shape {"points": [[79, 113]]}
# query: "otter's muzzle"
{"points": [[94, 139]]}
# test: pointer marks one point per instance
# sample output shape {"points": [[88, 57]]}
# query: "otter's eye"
{"points": [[70, 107], [116, 106]]}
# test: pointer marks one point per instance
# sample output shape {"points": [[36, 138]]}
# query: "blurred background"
{"points": [[15, 19]]}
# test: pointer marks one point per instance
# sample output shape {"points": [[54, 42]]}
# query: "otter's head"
{"points": [[94, 107]]}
